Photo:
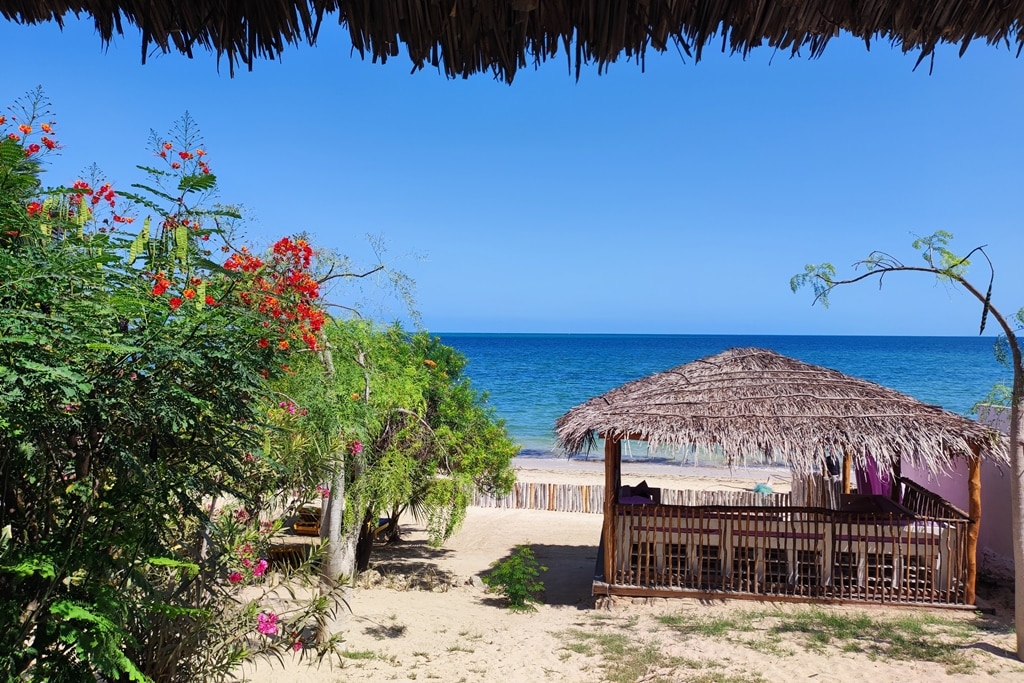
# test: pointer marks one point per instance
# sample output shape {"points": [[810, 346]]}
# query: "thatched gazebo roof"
{"points": [[753, 401], [464, 37]]}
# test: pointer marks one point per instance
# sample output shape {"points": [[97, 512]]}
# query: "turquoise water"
{"points": [[532, 379]]}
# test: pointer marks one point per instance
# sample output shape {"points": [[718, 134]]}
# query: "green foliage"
{"points": [[515, 577], [936, 255], [128, 407], [428, 438], [820, 277]]}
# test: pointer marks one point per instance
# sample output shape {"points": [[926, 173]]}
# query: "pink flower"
{"points": [[296, 646], [260, 568], [266, 623], [235, 577], [356, 447], [323, 490], [247, 563]]}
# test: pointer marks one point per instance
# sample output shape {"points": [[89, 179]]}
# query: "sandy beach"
{"points": [[422, 613]]}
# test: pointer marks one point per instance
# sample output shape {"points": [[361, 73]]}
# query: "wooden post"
{"points": [[895, 488], [612, 459], [846, 470], [974, 512]]}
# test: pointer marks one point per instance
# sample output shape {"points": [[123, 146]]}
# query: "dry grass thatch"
{"points": [[464, 37], [753, 401]]}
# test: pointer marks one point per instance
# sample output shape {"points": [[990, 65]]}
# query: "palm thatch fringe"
{"points": [[754, 401], [466, 37]]}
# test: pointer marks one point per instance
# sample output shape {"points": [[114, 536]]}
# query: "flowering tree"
{"points": [[135, 372]]}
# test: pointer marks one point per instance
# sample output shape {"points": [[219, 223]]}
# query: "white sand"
{"points": [[446, 627]]}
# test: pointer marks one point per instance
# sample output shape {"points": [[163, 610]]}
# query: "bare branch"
{"points": [[331, 275]]}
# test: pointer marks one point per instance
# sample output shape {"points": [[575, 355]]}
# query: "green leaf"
{"points": [[148, 203], [190, 568], [197, 183], [121, 349], [32, 566], [152, 171], [59, 372], [151, 190]]}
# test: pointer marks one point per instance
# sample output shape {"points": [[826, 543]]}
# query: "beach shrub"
{"points": [[411, 431], [515, 577], [137, 351]]}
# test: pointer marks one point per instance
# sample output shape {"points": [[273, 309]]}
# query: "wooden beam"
{"points": [[612, 460], [604, 589], [974, 525], [847, 460]]}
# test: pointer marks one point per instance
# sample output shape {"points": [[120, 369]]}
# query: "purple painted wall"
{"points": [[995, 548]]}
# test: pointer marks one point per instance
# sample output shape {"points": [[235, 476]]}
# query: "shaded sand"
{"points": [[422, 614]]}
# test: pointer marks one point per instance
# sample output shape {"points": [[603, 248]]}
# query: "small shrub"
{"points": [[516, 578]]}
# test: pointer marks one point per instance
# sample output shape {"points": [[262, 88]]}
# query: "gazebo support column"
{"points": [[846, 470], [612, 460], [974, 512]]}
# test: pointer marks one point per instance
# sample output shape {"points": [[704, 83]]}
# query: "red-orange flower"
{"points": [[167, 145], [189, 294], [175, 164], [46, 128], [25, 129], [34, 208], [283, 344], [210, 301], [263, 343], [175, 303]]}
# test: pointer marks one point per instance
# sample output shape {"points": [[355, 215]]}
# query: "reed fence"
{"points": [[590, 498]]}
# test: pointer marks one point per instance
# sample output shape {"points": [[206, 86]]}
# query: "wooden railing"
{"points": [[924, 503], [802, 552]]}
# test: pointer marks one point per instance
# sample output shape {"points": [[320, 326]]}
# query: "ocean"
{"points": [[532, 379]]}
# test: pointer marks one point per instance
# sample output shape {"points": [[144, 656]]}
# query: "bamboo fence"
{"points": [[590, 498]]}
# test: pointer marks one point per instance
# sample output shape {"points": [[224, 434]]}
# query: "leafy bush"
{"points": [[134, 390], [516, 578]]}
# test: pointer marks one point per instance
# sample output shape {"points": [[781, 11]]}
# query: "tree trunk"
{"points": [[336, 566], [1016, 501], [364, 547]]}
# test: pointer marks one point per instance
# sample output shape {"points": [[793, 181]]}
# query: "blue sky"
{"points": [[676, 200]]}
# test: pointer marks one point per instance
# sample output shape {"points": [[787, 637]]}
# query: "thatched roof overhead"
{"points": [[753, 401], [465, 37]]}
